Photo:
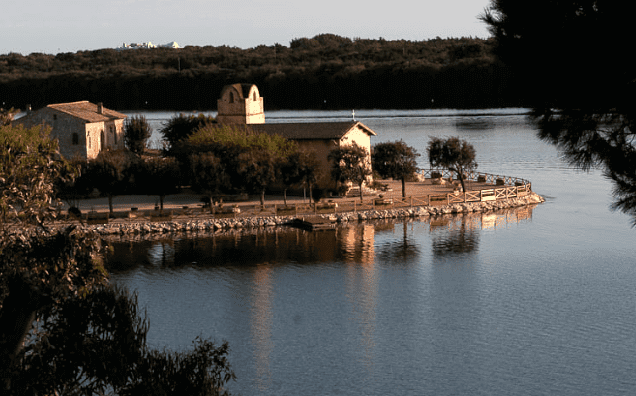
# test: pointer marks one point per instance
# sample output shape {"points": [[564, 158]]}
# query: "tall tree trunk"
{"points": [[110, 203], [285, 196], [461, 180], [16, 319], [360, 186], [263, 198], [403, 187]]}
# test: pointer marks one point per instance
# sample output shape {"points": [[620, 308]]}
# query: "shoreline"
{"points": [[185, 226]]}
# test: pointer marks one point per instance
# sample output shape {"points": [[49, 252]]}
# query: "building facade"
{"points": [[83, 129]]}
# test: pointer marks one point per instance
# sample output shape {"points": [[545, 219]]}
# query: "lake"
{"points": [[529, 301]]}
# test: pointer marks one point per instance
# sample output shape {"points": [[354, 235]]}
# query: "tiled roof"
{"points": [[312, 130], [87, 111]]}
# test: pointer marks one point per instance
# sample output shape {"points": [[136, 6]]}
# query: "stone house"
{"points": [[241, 104], [83, 129]]}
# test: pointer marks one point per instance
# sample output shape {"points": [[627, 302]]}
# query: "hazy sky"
{"points": [[53, 26]]}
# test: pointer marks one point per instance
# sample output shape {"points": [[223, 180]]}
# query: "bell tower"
{"points": [[240, 104]]}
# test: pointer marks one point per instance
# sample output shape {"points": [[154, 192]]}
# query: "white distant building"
{"points": [[170, 45], [149, 44]]}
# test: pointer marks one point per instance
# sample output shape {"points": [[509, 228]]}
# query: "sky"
{"points": [[55, 26]]}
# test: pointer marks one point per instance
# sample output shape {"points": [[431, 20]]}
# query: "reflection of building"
{"points": [[82, 129], [262, 323], [358, 243], [241, 104]]}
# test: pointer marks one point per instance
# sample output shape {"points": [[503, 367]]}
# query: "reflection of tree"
{"points": [[463, 240], [399, 250]]}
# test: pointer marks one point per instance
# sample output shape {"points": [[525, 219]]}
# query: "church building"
{"points": [[241, 104]]}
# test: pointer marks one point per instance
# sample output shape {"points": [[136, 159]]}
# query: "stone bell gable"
{"points": [[240, 104]]}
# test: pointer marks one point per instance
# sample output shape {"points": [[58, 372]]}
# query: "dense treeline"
{"points": [[326, 71]]}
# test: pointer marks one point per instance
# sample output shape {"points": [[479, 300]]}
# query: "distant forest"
{"points": [[323, 72]]}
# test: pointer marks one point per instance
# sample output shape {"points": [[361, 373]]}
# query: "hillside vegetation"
{"points": [[323, 72]]}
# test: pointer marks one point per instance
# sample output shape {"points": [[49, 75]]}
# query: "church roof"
{"points": [[87, 111], [312, 130]]}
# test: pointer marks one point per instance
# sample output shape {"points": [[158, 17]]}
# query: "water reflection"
{"points": [[460, 238], [459, 235], [400, 250], [282, 294], [348, 243], [262, 321]]}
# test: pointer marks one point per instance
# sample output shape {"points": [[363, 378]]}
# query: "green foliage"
{"points": [[38, 268], [454, 154], [299, 168], [29, 163], [62, 331], [94, 344], [210, 174], [257, 168], [181, 127], [157, 176], [579, 80], [111, 172], [326, 71], [243, 137], [394, 160], [137, 131], [350, 164]]}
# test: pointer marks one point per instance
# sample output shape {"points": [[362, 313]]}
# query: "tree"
{"points": [[89, 338], [110, 173], [453, 154], [258, 170], [137, 131], [38, 267], [350, 164], [249, 159], [209, 174], [158, 176], [395, 160], [300, 167], [180, 127], [580, 81]]}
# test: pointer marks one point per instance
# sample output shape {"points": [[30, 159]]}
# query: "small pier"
{"points": [[312, 223]]}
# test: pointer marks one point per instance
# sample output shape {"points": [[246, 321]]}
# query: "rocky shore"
{"points": [[212, 224]]}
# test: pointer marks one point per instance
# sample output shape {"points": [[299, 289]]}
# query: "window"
{"points": [[231, 97], [75, 139]]}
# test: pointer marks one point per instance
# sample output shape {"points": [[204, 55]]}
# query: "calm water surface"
{"points": [[534, 301]]}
